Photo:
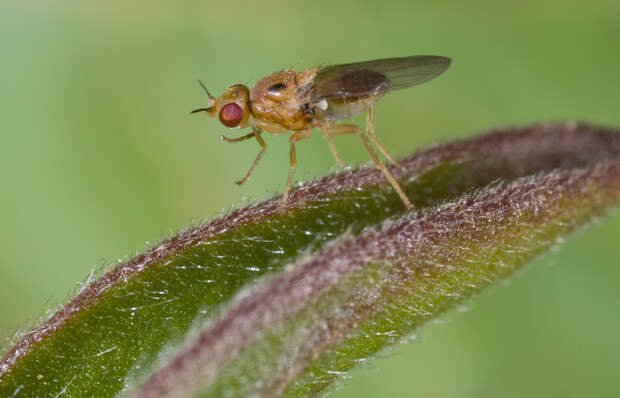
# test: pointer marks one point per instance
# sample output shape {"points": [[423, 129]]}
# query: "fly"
{"points": [[318, 98]]}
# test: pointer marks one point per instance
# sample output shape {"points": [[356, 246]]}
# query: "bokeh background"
{"points": [[99, 156]]}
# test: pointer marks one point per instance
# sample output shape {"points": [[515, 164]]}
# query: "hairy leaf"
{"points": [[343, 273]]}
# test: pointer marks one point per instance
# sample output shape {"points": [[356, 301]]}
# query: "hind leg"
{"points": [[380, 165], [370, 128]]}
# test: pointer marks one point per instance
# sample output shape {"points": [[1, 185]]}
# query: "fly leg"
{"points": [[297, 136], [337, 129], [261, 142], [370, 127], [381, 166], [334, 151], [238, 139]]}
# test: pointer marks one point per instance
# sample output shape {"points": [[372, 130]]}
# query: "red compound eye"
{"points": [[231, 115]]}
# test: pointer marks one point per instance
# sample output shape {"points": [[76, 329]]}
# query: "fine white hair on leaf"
{"points": [[264, 302]]}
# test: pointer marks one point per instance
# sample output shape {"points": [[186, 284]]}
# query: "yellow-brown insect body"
{"points": [[280, 102], [316, 98]]}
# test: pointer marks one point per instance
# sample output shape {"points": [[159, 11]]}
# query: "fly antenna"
{"points": [[206, 90], [200, 110]]}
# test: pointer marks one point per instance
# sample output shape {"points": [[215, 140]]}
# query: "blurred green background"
{"points": [[99, 155]]}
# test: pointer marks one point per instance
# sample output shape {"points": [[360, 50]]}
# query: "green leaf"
{"points": [[264, 303]]}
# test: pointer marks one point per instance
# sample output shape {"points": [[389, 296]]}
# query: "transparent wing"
{"points": [[376, 77]]}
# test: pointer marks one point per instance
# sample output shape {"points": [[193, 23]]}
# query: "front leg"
{"points": [[256, 133], [238, 139]]}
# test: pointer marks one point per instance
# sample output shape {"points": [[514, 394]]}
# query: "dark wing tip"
{"points": [[442, 63], [445, 61]]}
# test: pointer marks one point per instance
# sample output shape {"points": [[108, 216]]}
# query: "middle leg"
{"points": [[297, 136], [337, 129]]}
